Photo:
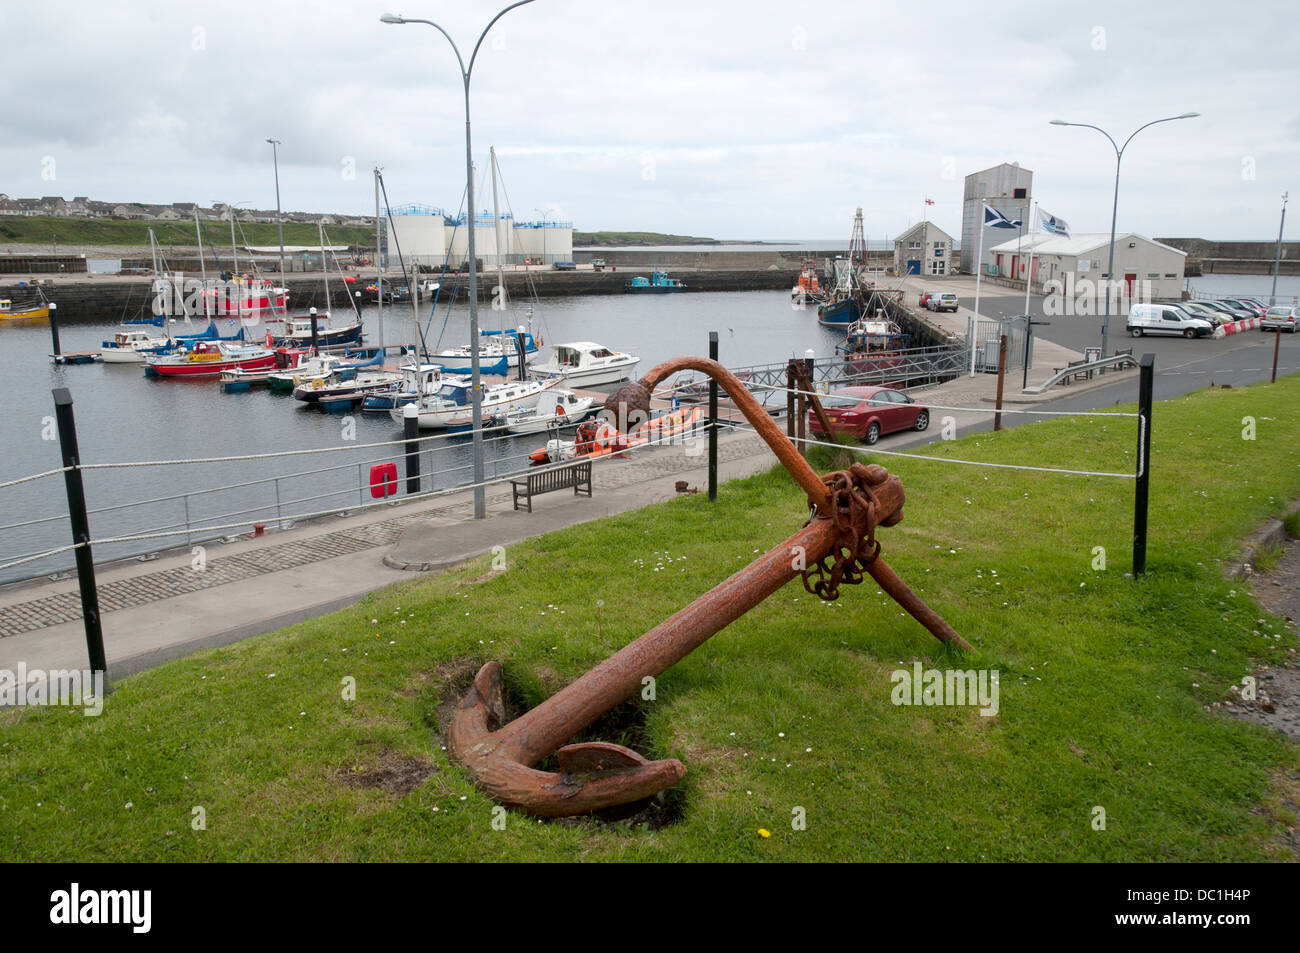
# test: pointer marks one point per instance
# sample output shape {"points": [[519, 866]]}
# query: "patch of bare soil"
{"points": [[391, 772], [624, 725], [1277, 697]]}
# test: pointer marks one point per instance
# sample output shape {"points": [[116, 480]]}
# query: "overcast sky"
{"points": [[739, 120]]}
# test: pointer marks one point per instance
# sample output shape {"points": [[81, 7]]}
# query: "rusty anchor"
{"points": [[836, 546]]}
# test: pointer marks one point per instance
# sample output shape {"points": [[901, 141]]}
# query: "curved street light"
{"points": [[1119, 156], [476, 386]]}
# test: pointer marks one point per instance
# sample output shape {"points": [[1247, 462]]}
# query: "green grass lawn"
{"points": [[1104, 683], [46, 230]]}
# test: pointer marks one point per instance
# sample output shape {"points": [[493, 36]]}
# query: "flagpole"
{"points": [[979, 268], [1029, 275]]}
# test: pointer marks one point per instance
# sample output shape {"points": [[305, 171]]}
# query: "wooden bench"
{"points": [[1074, 376], [576, 475]]}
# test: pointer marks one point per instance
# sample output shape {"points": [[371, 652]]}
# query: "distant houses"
{"points": [[85, 207]]}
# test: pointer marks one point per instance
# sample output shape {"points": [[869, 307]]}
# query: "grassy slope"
{"points": [[86, 231], [637, 238], [1103, 682]]}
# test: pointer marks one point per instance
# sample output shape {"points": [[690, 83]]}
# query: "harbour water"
{"points": [[122, 416]]}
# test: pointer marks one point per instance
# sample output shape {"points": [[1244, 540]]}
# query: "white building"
{"points": [[924, 249], [1143, 266], [1007, 188], [427, 236]]}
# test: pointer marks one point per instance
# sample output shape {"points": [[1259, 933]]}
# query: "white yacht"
{"points": [[452, 401], [584, 363]]}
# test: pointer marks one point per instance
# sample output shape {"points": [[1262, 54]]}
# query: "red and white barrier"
{"points": [[1249, 324]]}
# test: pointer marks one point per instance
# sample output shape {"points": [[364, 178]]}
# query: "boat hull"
{"points": [[209, 368], [840, 314]]}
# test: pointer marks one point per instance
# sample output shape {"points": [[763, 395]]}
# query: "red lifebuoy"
{"points": [[559, 410], [383, 480]]}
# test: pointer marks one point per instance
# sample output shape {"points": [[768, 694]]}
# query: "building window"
{"points": [[1170, 275], [936, 267], [913, 244], [1153, 274], [1019, 193]]}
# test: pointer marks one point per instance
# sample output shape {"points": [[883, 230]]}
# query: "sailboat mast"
{"points": [[199, 235], [153, 250], [379, 267], [234, 252], [324, 265], [496, 239]]}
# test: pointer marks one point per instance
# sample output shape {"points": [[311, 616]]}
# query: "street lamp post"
{"points": [[476, 386], [1114, 210], [279, 221], [1277, 257]]}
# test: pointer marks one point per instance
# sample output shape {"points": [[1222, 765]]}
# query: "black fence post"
{"points": [[1146, 380], [713, 421], [522, 351], [789, 399], [411, 431], [315, 336], [54, 329], [80, 531]]}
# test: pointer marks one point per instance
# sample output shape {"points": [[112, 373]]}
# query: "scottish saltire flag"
{"points": [[995, 219], [1053, 225]]}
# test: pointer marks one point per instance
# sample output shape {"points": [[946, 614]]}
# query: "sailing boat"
{"points": [[297, 329], [498, 350], [844, 305]]}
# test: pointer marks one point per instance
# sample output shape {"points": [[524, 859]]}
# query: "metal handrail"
{"points": [[1114, 359]]}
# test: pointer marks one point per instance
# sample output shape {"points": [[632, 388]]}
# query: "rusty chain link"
{"points": [[851, 500]]}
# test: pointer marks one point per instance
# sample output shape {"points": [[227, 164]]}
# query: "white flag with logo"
{"points": [[1052, 225]]}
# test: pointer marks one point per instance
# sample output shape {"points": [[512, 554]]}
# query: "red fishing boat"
{"points": [[209, 359]]}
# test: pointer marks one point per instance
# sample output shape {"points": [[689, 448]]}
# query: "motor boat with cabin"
{"points": [[451, 402], [585, 363], [131, 345], [568, 408]]}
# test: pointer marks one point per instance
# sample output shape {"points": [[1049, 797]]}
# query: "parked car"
{"points": [[1199, 310], [868, 412], [1281, 317], [1254, 310], [1257, 303], [564, 266], [598, 264], [942, 302], [1165, 319], [1232, 314], [925, 297]]}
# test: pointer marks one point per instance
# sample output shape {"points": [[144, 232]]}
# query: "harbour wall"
{"points": [[112, 298]]}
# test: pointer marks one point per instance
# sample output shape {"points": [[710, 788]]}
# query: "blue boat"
{"points": [[657, 283], [839, 314]]}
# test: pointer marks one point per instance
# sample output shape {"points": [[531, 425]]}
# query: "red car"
{"points": [[926, 296], [868, 412]]}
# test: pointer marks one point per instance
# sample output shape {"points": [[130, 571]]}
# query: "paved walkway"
{"points": [[166, 608]]}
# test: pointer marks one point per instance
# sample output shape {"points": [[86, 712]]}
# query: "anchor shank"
{"points": [[535, 734]]}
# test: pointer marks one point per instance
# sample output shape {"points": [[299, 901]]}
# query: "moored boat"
{"points": [[38, 312], [657, 283], [585, 363], [209, 359], [807, 289], [568, 408], [132, 345], [597, 438], [452, 400], [296, 332]]}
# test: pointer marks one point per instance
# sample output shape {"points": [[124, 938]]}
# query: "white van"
{"points": [[1165, 319]]}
